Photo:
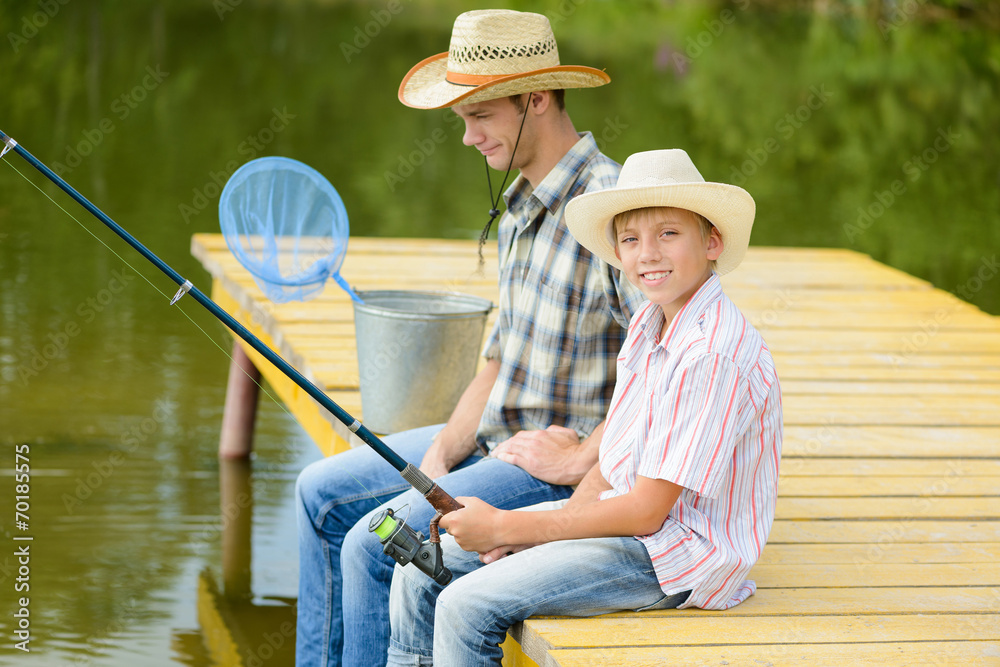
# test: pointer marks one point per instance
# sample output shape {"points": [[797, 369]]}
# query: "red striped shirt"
{"points": [[700, 408]]}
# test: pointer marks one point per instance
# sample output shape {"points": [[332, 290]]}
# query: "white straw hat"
{"points": [[494, 53], [663, 178]]}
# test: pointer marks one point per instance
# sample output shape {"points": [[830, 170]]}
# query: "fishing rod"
{"points": [[399, 541]]}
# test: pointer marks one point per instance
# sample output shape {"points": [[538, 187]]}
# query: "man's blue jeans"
{"points": [[344, 578], [464, 623]]}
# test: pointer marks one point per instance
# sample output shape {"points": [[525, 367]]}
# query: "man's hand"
{"points": [[554, 455], [504, 551]]}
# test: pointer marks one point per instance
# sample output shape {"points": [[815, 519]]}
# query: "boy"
{"points": [[680, 504]]}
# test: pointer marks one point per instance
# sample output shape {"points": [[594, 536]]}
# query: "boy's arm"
{"points": [[642, 511], [588, 491]]}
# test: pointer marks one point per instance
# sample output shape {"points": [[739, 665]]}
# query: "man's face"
{"points": [[492, 128]]}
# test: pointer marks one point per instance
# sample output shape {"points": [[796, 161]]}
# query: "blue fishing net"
{"points": [[287, 226]]}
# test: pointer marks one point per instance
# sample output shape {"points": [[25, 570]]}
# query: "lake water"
{"points": [[876, 132]]}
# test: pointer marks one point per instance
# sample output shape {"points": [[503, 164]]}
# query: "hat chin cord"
{"points": [[494, 203]]}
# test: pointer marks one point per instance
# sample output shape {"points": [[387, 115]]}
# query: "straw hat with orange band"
{"points": [[494, 53]]}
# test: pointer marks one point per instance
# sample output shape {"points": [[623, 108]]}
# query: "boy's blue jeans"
{"points": [[464, 623], [344, 578]]}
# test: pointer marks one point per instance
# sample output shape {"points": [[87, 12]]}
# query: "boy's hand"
{"points": [[553, 455], [476, 526]]}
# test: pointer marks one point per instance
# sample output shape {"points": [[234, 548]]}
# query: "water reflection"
{"points": [[847, 133]]}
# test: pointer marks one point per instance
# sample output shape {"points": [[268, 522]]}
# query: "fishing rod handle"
{"points": [[434, 494], [441, 501]]}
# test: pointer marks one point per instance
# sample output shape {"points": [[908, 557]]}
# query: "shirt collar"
{"points": [[557, 186], [687, 316]]}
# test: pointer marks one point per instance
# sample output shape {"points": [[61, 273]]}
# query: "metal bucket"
{"points": [[417, 352]]}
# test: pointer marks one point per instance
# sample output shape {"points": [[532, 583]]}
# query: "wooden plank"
{"points": [[929, 387], [940, 410], [867, 574], [680, 629], [814, 655], [908, 373], [903, 328], [882, 487], [884, 360], [889, 467], [829, 439], [862, 555], [846, 601], [882, 536], [936, 507]]}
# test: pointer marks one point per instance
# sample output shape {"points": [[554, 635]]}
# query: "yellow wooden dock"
{"points": [[886, 542]]}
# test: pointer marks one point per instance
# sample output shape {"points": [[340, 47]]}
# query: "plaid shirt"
{"points": [[563, 313]]}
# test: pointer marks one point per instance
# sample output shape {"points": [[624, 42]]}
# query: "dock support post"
{"points": [[240, 412], [236, 506]]}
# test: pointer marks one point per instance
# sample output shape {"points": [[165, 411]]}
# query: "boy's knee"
{"points": [[455, 605]]}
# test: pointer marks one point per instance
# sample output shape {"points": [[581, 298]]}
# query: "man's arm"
{"points": [[555, 455], [458, 438]]}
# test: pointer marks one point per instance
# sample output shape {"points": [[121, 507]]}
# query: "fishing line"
{"points": [[167, 296], [399, 541], [494, 203]]}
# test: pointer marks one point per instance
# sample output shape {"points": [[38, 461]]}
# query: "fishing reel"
{"points": [[406, 545]]}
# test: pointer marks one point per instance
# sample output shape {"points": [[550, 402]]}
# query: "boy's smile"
{"points": [[664, 253]]}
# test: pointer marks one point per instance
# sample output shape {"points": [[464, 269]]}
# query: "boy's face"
{"points": [[492, 128], [664, 254]]}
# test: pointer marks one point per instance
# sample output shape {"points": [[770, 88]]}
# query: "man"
{"points": [[538, 404]]}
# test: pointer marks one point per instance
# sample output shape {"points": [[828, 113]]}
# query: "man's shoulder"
{"points": [[593, 169], [600, 173]]}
